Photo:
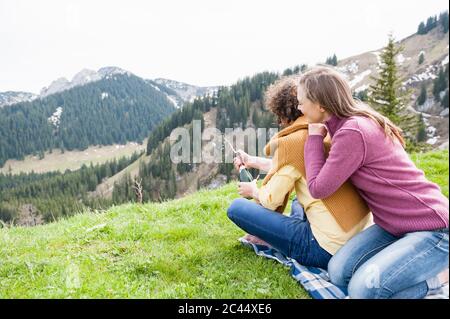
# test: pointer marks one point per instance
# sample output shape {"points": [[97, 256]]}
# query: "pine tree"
{"points": [[362, 96], [421, 58], [332, 60], [421, 29], [443, 20], [386, 95], [423, 95], [421, 132], [431, 23], [444, 101], [439, 84]]}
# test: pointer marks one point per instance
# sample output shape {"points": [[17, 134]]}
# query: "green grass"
{"points": [[185, 248], [435, 166]]}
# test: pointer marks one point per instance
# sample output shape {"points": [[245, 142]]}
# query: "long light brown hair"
{"points": [[329, 89]]}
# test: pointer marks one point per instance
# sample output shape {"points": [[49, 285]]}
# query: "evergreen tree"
{"points": [[421, 58], [423, 95], [288, 72], [444, 22], [421, 132], [440, 84], [386, 96], [362, 96], [421, 29], [332, 60], [431, 23], [444, 102]]}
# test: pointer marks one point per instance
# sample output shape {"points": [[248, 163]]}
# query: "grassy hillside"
{"points": [[185, 248]]}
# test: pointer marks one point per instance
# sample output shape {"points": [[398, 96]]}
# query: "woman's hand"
{"points": [[317, 129], [248, 189]]}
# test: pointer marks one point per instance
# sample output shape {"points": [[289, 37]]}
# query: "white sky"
{"points": [[196, 41]]}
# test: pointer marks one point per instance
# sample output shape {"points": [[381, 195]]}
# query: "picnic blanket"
{"points": [[315, 280]]}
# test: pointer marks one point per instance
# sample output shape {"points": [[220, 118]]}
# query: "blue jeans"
{"points": [[375, 264], [292, 236]]}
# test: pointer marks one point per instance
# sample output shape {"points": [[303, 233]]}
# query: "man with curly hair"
{"points": [[316, 229]]}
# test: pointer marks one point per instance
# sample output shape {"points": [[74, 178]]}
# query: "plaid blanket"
{"points": [[315, 280]]}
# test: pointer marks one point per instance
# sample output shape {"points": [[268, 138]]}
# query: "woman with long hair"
{"points": [[405, 253]]}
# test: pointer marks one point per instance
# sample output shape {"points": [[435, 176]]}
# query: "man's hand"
{"points": [[248, 189], [242, 158]]}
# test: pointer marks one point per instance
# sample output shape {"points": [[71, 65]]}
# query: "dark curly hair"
{"points": [[281, 99]]}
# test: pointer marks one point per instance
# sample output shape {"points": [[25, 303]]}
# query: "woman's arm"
{"points": [[326, 175]]}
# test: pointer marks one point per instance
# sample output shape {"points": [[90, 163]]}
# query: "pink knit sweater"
{"points": [[401, 199]]}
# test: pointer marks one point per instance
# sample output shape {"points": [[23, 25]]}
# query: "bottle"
{"points": [[244, 174]]}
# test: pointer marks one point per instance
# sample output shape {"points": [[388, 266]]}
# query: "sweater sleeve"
{"points": [[326, 175], [282, 182]]}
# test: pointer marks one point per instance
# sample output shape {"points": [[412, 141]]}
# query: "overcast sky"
{"points": [[202, 42]]}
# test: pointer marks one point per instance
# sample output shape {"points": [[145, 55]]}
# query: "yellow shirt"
{"points": [[324, 227]]}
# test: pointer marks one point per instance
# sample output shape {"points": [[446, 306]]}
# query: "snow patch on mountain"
{"points": [[55, 119], [426, 106], [428, 74], [108, 71], [400, 59], [430, 130], [353, 68], [432, 140], [358, 78], [12, 97], [155, 87], [173, 100]]}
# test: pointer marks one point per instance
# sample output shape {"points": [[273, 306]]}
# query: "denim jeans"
{"points": [[290, 235], [375, 264]]}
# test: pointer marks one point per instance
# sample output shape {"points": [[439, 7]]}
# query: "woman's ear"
{"points": [[325, 114]]}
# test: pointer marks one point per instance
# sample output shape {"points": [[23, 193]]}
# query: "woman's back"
{"points": [[397, 192]]}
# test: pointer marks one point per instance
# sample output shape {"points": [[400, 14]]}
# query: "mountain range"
{"points": [[177, 92]]}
